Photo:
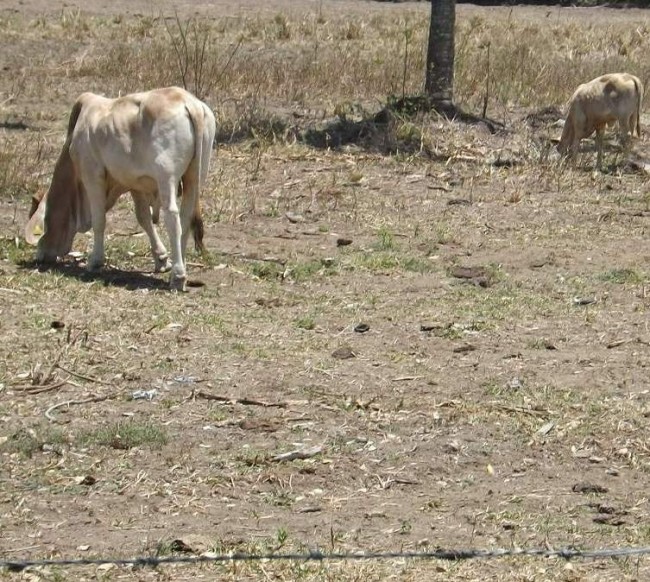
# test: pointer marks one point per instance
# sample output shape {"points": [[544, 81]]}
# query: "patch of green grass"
{"points": [[307, 322], [15, 250], [266, 270], [416, 265], [214, 321], [385, 240], [301, 272], [623, 276], [27, 441], [376, 262], [506, 301], [126, 435], [383, 261], [251, 457], [278, 497]]}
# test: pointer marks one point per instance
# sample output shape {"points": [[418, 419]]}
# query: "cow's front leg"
{"points": [[145, 220], [168, 196], [96, 195]]}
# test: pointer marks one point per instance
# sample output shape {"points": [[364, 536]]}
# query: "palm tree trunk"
{"points": [[439, 84]]}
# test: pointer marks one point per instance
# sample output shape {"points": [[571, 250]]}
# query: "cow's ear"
{"points": [[36, 223]]}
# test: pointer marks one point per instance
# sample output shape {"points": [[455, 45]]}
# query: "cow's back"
{"points": [[134, 139]]}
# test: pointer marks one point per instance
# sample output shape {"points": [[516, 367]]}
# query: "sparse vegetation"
{"points": [[452, 318], [126, 435]]}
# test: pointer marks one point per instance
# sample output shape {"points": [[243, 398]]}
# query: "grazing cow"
{"points": [[155, 145], [602, 102]]}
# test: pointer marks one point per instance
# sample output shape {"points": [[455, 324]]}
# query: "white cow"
{"points": [[601, 102], [156, 145]]}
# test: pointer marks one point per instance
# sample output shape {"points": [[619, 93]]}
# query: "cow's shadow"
{"points": [[109, 276]]}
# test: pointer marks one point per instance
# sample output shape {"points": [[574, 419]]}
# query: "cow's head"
{"points": [[57, 215]]}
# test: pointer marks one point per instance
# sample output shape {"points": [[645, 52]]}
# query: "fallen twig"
{"points": [[48, 412], [406, 378], [617, 343], [81, 376], [244, 401], [38, 388], [520, 409], [298, 454]]}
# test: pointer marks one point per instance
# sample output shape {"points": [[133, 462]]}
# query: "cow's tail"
{"points": [[639, 98], [204, 131]]}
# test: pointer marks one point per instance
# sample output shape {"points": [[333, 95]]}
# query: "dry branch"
{"points": [[48, 412], [38, 388], [231, 400], [81, 376]]}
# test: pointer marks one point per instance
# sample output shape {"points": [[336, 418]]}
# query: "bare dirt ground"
{"points": [[496, 395]]}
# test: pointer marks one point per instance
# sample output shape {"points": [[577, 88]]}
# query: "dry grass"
{"points": [[433, 423]]}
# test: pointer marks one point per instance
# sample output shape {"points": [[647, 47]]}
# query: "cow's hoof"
{"points": [[178, 284], [162, 264]]}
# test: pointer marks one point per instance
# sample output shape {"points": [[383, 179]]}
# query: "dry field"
{"points": [[448, 322]]}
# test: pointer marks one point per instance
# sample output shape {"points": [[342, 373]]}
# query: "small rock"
{"points": [[515, 384], [106, 567], [468, 272], [343, 242], [374, 514], [585, 487], [57, 324], [309, 509], [464, 349], [144, 394], [361, 328], [451, 447], [258, 424], [429, 326], [343, 353], [539, 263], [584, 300], [606, 519], [294, 218], [608, 509], [595, 460], [272, 302], [546, 428]]}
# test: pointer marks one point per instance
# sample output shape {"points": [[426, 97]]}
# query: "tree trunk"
{"points": [[439, 84]]}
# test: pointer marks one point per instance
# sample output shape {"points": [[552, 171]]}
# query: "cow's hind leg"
{"points": [[168, 191], [189, 204], [144, 215], [599, 148], [625, 132]]}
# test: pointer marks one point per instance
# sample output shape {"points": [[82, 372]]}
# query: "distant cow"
{"points": [[601, 102], [156, 145]]}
